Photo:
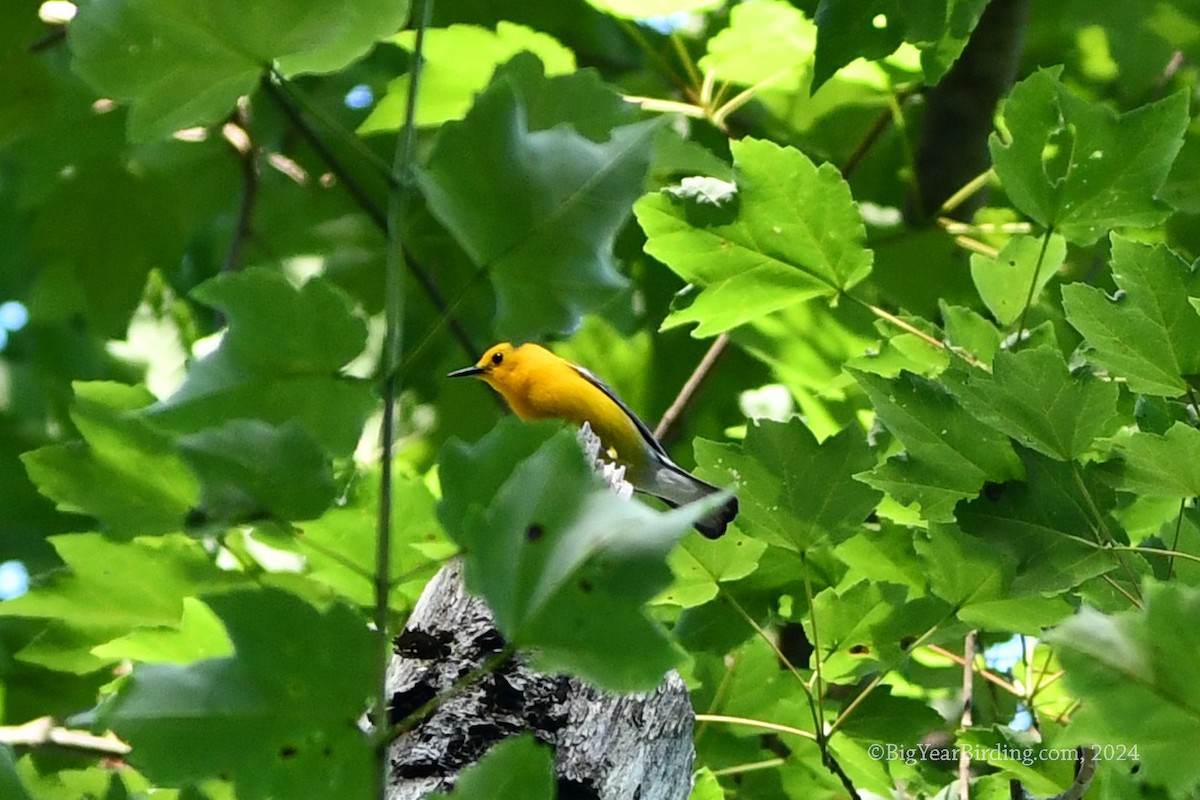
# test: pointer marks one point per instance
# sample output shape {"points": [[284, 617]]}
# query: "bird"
{"points": [[537, 384]]}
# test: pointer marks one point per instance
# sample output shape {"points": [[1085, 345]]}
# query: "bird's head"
{"points": [[494, 367]]}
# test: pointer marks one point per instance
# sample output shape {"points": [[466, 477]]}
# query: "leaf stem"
{"points": [[394, 296], [1033, 281], [969, 188], [756, 723], [878, 679], [1102, 530], [685, 58], [1175, 540]]}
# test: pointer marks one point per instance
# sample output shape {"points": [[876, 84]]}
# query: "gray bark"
{"points": [[607, 746]]}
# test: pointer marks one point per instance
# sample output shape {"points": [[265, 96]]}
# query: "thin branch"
{"points": [[745, 96], [968, 698], [1175, 541], [770, 763], [237, 133], [51, 38], [390, 358], [43, 731], [1033, 280], [756, 723], [878, 679], [672, 414], [368, 205], [874, 134], [466, 681], [971, 187], [982, 672]]}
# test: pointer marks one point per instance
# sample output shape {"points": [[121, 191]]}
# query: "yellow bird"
{"points": [[537, 384]]}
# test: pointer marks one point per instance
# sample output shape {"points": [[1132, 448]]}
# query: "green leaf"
{"points": [[891, 719], [247, 467], [1126, 670], [1149, 333], [459, 62], [848, 625], [967, 330], [11, 785], [564, 198], [125, 472], [279, 361], [287, 329], [1005, 282], [180, 63], [359, 26], [519, 768], [765, 41], [199, 635], [790, 233], [884, 554], [339, 546], [872, 29], [1038, 522], [1032, 397], [794, 492], [701, 565], [1078, 167], [949, 455], [278, 718], [102, 267], [564, 564], [1162, 466], [963, 570], [141, 583]]}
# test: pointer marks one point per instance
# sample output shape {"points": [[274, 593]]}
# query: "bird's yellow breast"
{"points": [[537, 384]]}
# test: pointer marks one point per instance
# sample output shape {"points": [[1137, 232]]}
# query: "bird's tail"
{"points": [[674, 486]]}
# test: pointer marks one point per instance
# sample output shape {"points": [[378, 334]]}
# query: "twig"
{"points": [[237, 133], [968, 699], [872, 138], [389, 360], [971, 187], [372, 209], [433, 704], [756, 723], [1037, 269], [672, 414], [986, 674], [1175, 541], [49, 39], [43, 731]]}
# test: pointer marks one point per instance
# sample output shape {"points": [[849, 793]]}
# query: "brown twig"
{"points": [[968, 698], [237, 133], [672, 414], [43, 731]]}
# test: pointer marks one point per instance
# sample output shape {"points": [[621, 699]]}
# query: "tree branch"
{"points": [[672, 414], [272, 85]]}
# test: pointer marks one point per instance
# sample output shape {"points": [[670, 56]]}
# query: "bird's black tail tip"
{"points": [[713, 526]]}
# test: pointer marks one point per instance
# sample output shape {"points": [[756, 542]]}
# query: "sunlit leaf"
{"points": [[1149, 333], [1080, 168]]}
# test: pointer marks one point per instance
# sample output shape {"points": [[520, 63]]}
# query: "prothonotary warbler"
{"points": [[537, 384]]}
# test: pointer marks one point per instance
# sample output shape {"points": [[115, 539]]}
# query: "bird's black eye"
{"points": [[497, 358]]}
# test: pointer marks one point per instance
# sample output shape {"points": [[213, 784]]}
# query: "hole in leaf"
{"points": [[287, 751], [859, 650], [534, 532]]}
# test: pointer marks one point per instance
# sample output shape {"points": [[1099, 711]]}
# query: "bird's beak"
{"points": [[465, 371]]}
